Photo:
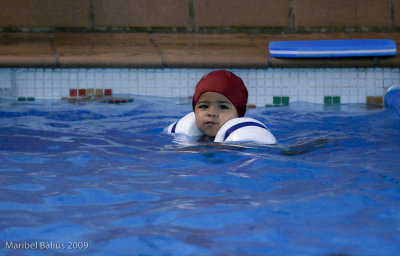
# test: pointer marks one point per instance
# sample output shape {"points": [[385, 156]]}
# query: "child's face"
{"points": [[212, 111]]}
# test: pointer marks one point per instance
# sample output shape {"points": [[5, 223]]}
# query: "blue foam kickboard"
{"points": [[332, 48]]}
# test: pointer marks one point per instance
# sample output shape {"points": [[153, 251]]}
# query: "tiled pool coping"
{"points": [[49, 65]]}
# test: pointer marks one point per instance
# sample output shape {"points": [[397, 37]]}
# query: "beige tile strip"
{"points": [[162, 50]]}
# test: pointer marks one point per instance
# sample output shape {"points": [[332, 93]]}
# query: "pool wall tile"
{"points": [[285, 100], [73, 93], [336, 99], [353, 85], [82, 93], [277, 100], [374, 100], [90, 92]]}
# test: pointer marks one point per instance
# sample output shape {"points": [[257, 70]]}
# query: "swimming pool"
{"points": [[103, 179]]}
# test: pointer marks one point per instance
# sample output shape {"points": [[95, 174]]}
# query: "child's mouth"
{"points": [[210, 123]]}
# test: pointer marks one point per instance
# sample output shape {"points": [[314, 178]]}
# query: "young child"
{"points": [[219, 97], [219, 104]]}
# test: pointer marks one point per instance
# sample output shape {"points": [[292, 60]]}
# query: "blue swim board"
{"points": [[332, 48]]}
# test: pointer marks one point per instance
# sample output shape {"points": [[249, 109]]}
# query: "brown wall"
{"points": [[200, 15]]}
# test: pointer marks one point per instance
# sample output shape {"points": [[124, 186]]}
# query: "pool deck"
{"points": [[169, 50]]}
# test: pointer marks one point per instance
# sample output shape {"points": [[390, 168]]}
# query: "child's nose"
{"points": [[212, 111]]}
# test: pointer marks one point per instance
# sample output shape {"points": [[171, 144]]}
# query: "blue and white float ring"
{"points": [[245, 129], [186, 125], [235, 130]]}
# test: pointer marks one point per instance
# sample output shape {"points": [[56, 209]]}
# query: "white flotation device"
{"points": [[186, 125], [241, 129]]}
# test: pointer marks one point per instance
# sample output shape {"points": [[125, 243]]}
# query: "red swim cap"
{"points": [[225, 83]]}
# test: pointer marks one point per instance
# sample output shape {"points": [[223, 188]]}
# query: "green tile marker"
{"points": [[26, 99], [277, 100], [336, 99], [285, 100], [329, 100], [280, 101]]}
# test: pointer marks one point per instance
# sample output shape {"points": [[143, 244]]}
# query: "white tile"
{"points": [[133, 90], [39, 74], [370, 73], [57, 83], [260, 100], [277, 83], [30, 84], [353, 99], [379, 73], [277, 91], [361, 99], [311, 74], [252, 100], [64, 92], [302, 74], [353, 91], [344, 99], [353, 82], [328, 91], [82, 75], [294, 98], [124, 90], [285, 91], [64, 75], [344, 91], [48, 93], [302, 91], [90, 75], [335, 91], [362, 91], [82, 84], [319, 91], [269, 100], [293, 91], [21, 92], [260, 91], [142, 91], [319, 99], [269, 90], [29, 75], [336, 82], [380, 91], [73, 75], [6, 92], [39, 92], [48, 84], [328, 83], [362, 73], [303, 98]]}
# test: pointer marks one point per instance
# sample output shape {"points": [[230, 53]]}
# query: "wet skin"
{"points": [[212, 111]]}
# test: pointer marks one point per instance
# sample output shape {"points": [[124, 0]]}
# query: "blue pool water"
{"points": [[103, 179]]}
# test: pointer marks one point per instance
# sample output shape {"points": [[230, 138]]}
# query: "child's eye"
{"points": [[223, 107], [203, 106]]}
